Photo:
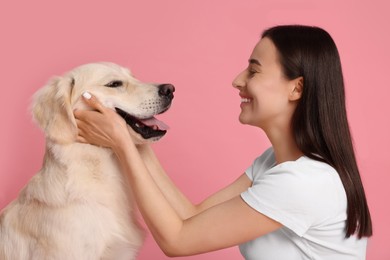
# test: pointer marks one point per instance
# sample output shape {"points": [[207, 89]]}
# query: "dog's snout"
{"points": [[166, 90]]}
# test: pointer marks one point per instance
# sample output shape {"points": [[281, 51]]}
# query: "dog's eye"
{"points": [[114, 84]]}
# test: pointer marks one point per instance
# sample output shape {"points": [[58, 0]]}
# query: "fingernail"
{"points": [[86, 95]]}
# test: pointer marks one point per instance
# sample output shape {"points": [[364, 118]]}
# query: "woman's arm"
{"points": [[222, 225], [179, 202]]}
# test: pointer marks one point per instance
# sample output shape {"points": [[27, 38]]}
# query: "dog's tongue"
{"points": [[155, 124]]}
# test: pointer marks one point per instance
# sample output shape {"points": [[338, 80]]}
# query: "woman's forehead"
{"points": [[265, 52]]}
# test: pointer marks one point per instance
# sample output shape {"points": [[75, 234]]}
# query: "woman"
{"points": [[301, 199]]}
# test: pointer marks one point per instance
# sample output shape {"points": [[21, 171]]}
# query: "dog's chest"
{"points": [[81, 173]]}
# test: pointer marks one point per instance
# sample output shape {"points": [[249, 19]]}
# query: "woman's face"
{"points": [[265, 92]]}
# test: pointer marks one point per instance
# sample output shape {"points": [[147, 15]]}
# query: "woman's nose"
{"points": [[239, 81]]}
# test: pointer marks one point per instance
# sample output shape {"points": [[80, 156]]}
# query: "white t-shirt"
{"points": [[307, 197]]}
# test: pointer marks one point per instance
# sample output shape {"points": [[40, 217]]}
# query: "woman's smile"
{"points": [[245, 101]]}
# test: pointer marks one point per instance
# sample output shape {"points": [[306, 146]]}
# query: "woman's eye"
{"points": [[252, 72], [114, 84]]}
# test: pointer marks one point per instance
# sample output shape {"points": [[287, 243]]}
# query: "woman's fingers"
{"points": [[100, 126], [80, 127], [81, 117], [81, 139], [92, 101]]}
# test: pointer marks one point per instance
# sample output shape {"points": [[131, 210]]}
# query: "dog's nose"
{"points": [[166, 90]]}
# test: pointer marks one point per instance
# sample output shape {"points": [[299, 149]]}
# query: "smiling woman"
{"points": [[301, 199], [268, 95]]}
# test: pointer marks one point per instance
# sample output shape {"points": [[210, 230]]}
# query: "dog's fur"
{"points": [[78, 206]]}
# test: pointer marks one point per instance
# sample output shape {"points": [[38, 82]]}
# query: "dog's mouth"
{"points": [[147, 128]]}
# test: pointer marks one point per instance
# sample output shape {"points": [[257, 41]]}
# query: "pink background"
{"points": [[199, 46]]}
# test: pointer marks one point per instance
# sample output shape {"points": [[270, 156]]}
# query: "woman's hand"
{"points": [[101, 126]]}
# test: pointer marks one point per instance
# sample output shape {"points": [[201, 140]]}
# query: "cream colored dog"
{"points": [[78, 206]]}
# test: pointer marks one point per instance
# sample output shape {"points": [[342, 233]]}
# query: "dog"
{"points": [[79, 206]]}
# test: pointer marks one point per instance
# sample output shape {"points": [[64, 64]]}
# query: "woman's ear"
{"points": [[296, 89]]}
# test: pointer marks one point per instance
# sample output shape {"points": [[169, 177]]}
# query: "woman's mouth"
{"points": [[246, 100]]}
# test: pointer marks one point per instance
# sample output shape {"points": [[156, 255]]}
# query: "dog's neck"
{"points": [[74, 172], [83, 155]]}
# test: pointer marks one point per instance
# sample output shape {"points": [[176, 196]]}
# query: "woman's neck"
{"points": [[284, 145]]}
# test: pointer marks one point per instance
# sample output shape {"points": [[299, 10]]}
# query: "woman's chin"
{"points": [[243, 120], [248, 121]]}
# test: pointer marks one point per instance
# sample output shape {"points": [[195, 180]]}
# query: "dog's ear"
{"points": [[53, 112]]}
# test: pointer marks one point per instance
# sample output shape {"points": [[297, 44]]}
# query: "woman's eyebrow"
{"points": [[254, 61]]}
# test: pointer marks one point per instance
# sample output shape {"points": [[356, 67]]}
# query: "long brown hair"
{"points": [[319, 123]]}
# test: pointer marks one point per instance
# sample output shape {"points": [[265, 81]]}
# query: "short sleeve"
{"points": [[294, 195]]}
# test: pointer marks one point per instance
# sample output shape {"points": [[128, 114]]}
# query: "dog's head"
{"points": [[115, 88]]}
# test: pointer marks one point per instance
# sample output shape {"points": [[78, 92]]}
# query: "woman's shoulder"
{"points": [[307, 190], [303, 171], [305, 166], [309, 176]]}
